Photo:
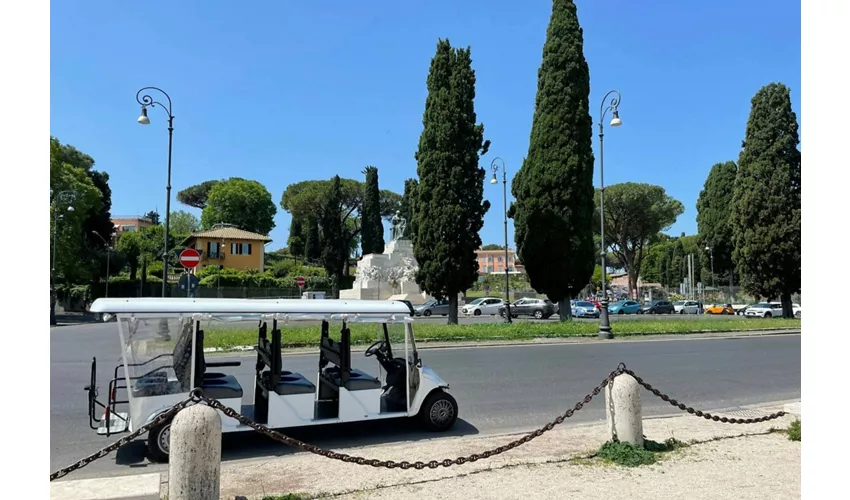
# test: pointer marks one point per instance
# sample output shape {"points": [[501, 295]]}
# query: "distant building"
{"points": [[493, 261], [227, 246], [129, 223]]}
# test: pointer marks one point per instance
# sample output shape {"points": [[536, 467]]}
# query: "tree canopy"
{"points": [[714, 217], [766, 207], [372, 226], [296, 239], [332, 234], [554, 191], [196, 196], [406, 207], [634, 215], [449, 208], [493, 246], [243, 203], [183, 223]]}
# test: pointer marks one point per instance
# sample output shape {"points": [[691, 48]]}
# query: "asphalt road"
{"points": [[501, 389]]}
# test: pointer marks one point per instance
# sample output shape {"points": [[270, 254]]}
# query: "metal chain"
{"points": [[126, 439], [419, 465], [704, 414]]}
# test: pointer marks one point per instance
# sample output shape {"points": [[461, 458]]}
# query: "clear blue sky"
{"points": [[286, 91]]}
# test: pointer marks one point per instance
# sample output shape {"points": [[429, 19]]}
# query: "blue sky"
{"points": [[287, 91]]}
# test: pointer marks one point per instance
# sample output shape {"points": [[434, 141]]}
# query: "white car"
{"points": [[484, 305], [770, 310], [686, 307]]}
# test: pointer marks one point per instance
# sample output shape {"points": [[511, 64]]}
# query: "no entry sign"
{"points": [[190, 258], [300, 281]]}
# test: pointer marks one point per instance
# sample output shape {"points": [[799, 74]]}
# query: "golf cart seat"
{"points": [[213, 385], [357, 380], [290, 383], [225, 387]]}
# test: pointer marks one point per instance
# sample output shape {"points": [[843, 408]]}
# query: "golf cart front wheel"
{"points": [[159, 445], [439, 411]]}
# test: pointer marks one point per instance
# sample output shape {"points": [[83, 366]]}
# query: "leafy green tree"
{"points": [[196, 196], [634, 215], [372, 226], [153, 216], [449, 209], [312, 243], [714, 217], [406, 207], [130, 247], [766, 207], [296, 239], [243, 203], [183, 223], [554, 191], [332, 234], [493, 246]]}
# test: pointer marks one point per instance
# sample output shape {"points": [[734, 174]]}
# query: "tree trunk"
{"points": [[564, 311], [632, 283], [134, 267], [787, 308], [143, 279], [452, 309]]}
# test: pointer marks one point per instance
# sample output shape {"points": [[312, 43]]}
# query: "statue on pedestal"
{"points": [[398, 227]]}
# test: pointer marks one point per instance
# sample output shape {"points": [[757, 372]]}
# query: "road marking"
{"points": [[106, 488]]}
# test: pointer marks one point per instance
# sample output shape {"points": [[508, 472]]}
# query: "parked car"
{"points": [[764, 310], [537, 308], [797, 311], [484, 305], [657, 307], [624, 307], [720, 309], [686, 307], [585, 309], [433, 306]]}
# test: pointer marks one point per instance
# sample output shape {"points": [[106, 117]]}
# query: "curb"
{"points": [[544, 341]]}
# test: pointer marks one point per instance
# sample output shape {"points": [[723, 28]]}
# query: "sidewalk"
{"points": [[724, 461]]}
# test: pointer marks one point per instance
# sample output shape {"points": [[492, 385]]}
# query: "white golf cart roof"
{"points": [[250, 307]]}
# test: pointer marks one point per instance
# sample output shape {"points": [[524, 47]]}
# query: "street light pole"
{"points": [[495, 180], [147, 101], [604, 320]]}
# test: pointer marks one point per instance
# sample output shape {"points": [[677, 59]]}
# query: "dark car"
{"points": [[536, 308], [657, 307]]}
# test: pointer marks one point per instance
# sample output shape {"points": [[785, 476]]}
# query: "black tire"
{"points": [[621, 312], [439, 411], [477, 312], [652, 311], [158, 442], [514, 316], [768, 315], [798, 314], [426, 313], [538, 314], [682, 311]]}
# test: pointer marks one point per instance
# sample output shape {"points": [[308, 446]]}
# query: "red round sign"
{"points": [[300, 281], [190, 258]]}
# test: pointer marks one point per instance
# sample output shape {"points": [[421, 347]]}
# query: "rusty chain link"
{"points": [[198, 397], [704, 414], [121, 442]]}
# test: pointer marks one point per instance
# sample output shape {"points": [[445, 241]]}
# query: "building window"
{"points": [[128, 228], [240, 249], [213, 249], [501, 259]]}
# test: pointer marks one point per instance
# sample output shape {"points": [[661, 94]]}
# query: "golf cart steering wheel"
{"points": [[375, 348]]}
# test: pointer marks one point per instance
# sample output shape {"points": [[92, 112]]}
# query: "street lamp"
{"points": [[108, 254], [147, 101], [495, 180], [66, 197], [613, 105]]}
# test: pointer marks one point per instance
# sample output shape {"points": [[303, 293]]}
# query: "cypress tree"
{"points": [[295, 241], [766, 208], [312, 245], [371, 226], [408, 201], [553, 212], [714, 217], [332, 236], [449, 209]]}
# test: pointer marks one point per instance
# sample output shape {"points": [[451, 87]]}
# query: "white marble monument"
{"points": [[388, 275]]}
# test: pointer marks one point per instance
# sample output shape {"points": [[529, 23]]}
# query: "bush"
{"points": [[794, 430], [625, 454]]}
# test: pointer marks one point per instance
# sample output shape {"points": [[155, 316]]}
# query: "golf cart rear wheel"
{"points": [[159, 442], [439, 411]]}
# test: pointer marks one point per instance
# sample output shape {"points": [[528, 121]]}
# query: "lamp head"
{"points": [[616, 122], [70, 209], [494, 180], [143, 118]]}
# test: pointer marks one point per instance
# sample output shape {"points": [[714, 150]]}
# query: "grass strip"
{"points": [[307, 334]]}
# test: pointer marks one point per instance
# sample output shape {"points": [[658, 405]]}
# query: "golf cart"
{"points": [[163, 359]]}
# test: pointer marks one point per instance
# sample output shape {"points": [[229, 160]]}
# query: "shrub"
{"points": [[625, 454], [794, 430]]}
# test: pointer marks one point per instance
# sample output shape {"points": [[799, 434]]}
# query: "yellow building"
{"points": [[229, 247]]}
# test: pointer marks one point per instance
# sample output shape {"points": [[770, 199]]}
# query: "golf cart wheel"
{"points": [[477, 312], [159, 442], [538, 314], [426, 313], [439, 411]]}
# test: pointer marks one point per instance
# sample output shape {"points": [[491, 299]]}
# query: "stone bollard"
{"points": [[623, 410], [195, 454]]}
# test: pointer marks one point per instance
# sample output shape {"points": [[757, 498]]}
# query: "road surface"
{"points": [[499, 389]]}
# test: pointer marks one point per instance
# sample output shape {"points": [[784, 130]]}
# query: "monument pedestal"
{"points": [[388, 275]]}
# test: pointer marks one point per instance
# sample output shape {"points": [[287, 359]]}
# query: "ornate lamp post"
{"points": [[495, 180], [613, 105], [147, 101]]}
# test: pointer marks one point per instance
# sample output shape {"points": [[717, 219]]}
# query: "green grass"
{"points": [[307, 335], [626, 455], [794, 431]]}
